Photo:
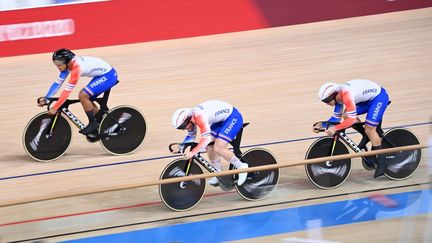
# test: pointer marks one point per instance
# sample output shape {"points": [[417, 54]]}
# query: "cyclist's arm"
{"points": [[56, 84], [336, 118], [75, 73], [190, 137], [337, 113], [204, 126], [351, 111]]}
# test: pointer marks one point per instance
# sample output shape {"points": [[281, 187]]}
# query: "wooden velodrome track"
{"points": [[271, 75]]}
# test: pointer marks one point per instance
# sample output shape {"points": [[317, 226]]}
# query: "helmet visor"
{"points": [[184, 123], [329, 98]]}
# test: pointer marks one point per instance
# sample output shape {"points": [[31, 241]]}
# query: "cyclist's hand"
{"points": [[52, 111], [41, 101], [317, 127], [188, 154], [176, 148], [331, 131]]}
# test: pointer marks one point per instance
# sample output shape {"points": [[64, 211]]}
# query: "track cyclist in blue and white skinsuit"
{"points": [[217, 121], [359, 96], [103, 77]]}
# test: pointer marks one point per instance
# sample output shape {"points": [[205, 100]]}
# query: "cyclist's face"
{"points": [[331, 103], [189, 126], [60, 65]]}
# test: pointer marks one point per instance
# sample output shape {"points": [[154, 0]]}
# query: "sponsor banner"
{"points": [[105, 23], [35, 30]]}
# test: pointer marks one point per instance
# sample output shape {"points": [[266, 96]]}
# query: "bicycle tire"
{"points": [[258, 184], [41, 146], [329, 174], [401, 165], [135, 128], [178, 196]]}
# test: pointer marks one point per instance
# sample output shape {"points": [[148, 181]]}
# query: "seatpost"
{"points": [[379, 129], [104, 101], [236, 142]]}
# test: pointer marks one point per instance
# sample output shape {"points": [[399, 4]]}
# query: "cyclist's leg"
{"points": [[95, 87], [368, 162], [373, 118], [88, 107], [362, 108], [229, 129], [215, 159]]}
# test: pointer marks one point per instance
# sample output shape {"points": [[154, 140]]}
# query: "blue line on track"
{"points": [[172, 156]]}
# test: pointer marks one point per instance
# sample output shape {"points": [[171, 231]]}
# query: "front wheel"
{"points": [[401, 165], [184, 195], [258, 184], [329, 174], [46, 138], [122, 130]]}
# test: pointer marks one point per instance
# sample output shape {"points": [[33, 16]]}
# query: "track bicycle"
{"points": [[121, 131], [185, 195], [331, 174]]}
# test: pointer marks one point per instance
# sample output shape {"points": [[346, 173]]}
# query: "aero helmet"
{"points": [[63, 55], [328, 92], [181, 118]]}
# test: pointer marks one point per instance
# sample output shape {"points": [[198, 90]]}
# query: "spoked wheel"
{"points": [[122, 130], [42, 145], [329, 174], [259, 183], [401, 165], [181, 196]]}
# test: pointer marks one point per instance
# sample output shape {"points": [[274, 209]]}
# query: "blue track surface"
{"points": [[278, 221]]}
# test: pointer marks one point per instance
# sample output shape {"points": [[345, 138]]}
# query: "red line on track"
{"points": [[96, 211]]}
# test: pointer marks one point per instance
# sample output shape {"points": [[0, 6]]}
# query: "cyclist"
{"points": [[217, 121], [103, 78], [359, 97]]}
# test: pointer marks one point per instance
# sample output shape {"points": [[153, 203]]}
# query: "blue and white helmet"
{"points": [[328, 91], [181, 118]]}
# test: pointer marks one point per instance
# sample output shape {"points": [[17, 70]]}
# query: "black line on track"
{"points": [[216, 212]]}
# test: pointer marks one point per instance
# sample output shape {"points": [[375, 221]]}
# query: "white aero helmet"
{"points": [[328, 91], [181, 118]]}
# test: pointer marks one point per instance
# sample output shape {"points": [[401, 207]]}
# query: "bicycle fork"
{"points": [[186, 172]]}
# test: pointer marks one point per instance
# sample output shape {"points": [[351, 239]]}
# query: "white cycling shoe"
{"points": [[242, 176]]}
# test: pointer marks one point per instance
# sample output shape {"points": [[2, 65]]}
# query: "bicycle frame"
{"points": [[200, 160], [351, 144], [71, 116], [206, 164], [78, 123], [225, 180]]}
